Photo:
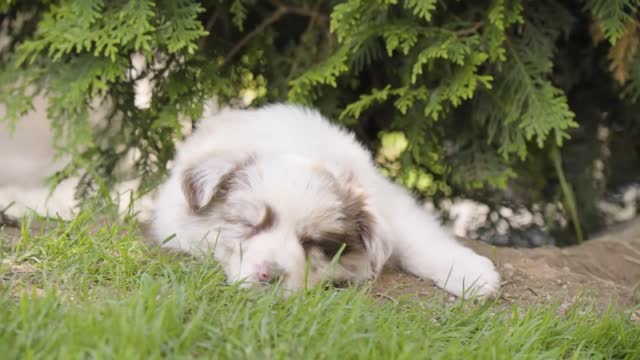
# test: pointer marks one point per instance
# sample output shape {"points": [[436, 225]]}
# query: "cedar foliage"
{"points": [[454, 98]]}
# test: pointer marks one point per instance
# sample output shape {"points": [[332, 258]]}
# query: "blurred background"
{"points": [[27, 160]]}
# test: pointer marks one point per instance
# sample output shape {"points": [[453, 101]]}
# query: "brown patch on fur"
{"points": [[355, 223], [267, 221], [226, 183], [331, 242], [361, 220], [190, 188]]}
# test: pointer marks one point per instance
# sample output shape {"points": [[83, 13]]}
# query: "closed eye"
{"points": [[329, 246], [241, 222], [330, 250], [255, 227]]}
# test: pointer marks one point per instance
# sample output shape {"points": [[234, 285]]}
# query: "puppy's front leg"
{"points": [[422, 247]]}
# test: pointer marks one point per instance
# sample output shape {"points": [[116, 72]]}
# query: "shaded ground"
{"points": [[599, 272]]}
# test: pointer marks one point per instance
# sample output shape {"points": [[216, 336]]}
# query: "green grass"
{"points": [[96, 291]]}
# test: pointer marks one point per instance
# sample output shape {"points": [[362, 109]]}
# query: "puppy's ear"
{"points": [[369, 229], [354, 202], [211, 177]]}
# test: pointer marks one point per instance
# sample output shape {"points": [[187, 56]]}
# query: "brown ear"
{"points": [[354, 205], [370, 232], [355, 209], [211, 177]]}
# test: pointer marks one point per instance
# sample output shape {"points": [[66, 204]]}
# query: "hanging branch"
{"points": [[281, 10]]}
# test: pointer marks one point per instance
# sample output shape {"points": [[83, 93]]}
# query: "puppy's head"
{"points": [[282, 218]]}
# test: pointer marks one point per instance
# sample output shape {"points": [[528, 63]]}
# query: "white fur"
{"points": [[289, 142]]}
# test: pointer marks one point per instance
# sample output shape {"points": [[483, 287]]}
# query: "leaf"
{"points": [[622, 53], [393, 144], [421, 8], [612, 15]]}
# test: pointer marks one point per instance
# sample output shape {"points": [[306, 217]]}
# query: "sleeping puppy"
{"points": [[276, 193]]}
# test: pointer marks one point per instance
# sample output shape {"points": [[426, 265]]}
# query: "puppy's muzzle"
{"points": [[269, 272]]}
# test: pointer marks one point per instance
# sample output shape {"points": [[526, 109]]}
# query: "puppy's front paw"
{"points": [[471, 276]]}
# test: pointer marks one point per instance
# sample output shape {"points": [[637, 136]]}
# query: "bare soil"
{"points": [[600, 272]]}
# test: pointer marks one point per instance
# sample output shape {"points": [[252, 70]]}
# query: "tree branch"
{"points": [[304, 11], [275, 16], [313, 18], [209, 26], [470, 30], [281, 10]]}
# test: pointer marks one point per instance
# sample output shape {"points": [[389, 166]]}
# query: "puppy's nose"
{"points": [[268, 272]]}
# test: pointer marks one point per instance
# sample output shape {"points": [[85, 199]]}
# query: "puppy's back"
{"points": [[276, 128]]}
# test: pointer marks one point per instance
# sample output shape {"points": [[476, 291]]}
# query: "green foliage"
{"points": [[524, 105], [79, 26], [239, 11], [613, 15], [479, 90], [325, 74], [421, 8]]}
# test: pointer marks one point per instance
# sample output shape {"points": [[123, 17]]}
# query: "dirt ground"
{"points": [[599, 272]]}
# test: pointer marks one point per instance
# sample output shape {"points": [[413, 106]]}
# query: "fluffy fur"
{"points": [[276, 193]]}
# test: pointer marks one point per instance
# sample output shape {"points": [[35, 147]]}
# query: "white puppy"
{"points": [[276, 193]]}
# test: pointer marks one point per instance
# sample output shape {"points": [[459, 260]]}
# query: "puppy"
{"points": [[281, 194]]}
